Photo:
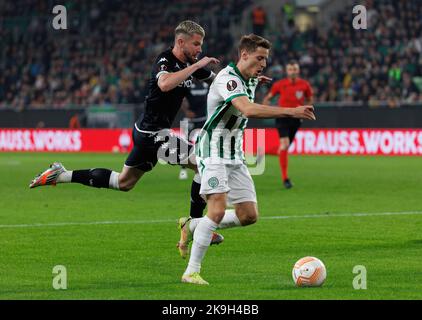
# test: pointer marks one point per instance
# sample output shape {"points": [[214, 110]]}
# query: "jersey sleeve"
{"points": [[308, 91], [202, 74], [161, 66], [230, 87]]}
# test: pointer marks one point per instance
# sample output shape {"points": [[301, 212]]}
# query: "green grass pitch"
{"points": [[134, 256]]}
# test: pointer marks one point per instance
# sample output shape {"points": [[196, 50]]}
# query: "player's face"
{"points": [[292, 71], [256, 61], [192, 47]]}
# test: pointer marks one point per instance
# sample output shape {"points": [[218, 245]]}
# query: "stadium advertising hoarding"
{"points": [[394, 142], [65, 140]]}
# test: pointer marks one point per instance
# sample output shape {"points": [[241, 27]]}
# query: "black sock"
{"points": [[197, 203], [98, 178]]}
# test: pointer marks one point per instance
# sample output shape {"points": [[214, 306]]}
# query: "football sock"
{"points": [[229, 220], [98, 178], [193, 224], [197, 203], [283, 164], [114, 181], [201, 241]]}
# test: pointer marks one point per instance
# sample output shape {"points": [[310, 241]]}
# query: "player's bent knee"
{"points": [[216, 213], [247, 217], [216, 206], [216, 216], [128, 178], [251, 219]]}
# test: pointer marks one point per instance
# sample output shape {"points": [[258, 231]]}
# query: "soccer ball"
{"points": [[309, 272]]}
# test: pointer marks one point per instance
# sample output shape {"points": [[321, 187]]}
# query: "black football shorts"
{"points": [[287, 127], [148, 147]]}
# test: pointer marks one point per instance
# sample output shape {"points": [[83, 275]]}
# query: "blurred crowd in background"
{"points": [[382, 64], [105, 55]]}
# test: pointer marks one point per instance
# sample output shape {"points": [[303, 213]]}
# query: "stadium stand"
{"points": [[381, 64], [105, 55]]}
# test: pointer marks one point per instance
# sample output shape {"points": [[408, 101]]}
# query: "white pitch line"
{"points": [[308, 216], [90, 223], [334, 215]]}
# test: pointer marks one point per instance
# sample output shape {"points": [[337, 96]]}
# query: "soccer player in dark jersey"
{"points": [[195, 109], [172, 75], [294, 92]]}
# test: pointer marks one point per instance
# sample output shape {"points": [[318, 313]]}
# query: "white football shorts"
{"points": [[233, 179]]}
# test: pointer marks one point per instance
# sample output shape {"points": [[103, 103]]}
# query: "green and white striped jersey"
{"points": [[221, 138]]}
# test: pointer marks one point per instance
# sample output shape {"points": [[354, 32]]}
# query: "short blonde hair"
{"points": [[189, 28]]}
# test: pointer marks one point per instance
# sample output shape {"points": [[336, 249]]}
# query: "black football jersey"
{"points": [[161, 107], [197, 98]]}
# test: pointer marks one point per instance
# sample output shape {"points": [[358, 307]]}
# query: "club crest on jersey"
{"points": [[299, 94], [213, 182], [231, 85], [163, 67]]}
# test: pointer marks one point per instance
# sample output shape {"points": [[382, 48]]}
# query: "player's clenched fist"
{"points": [[304, 112]]}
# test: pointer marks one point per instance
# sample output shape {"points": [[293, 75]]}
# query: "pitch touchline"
{"points": [[309, 216]]}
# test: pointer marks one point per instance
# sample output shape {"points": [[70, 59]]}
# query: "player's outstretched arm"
{"points": [[169, 81], [255, 110]]}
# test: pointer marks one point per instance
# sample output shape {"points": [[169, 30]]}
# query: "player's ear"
{"points": [[179, 40], [244, 55]]}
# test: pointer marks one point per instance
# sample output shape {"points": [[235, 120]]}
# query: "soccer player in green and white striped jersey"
{"points": [[224, 120], [219, 150]]}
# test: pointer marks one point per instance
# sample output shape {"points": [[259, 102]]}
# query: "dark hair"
{"points": [[292, 62], [251, 42]]}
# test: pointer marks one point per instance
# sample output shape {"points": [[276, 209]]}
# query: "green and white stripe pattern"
{"points": [[222, 135]]}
